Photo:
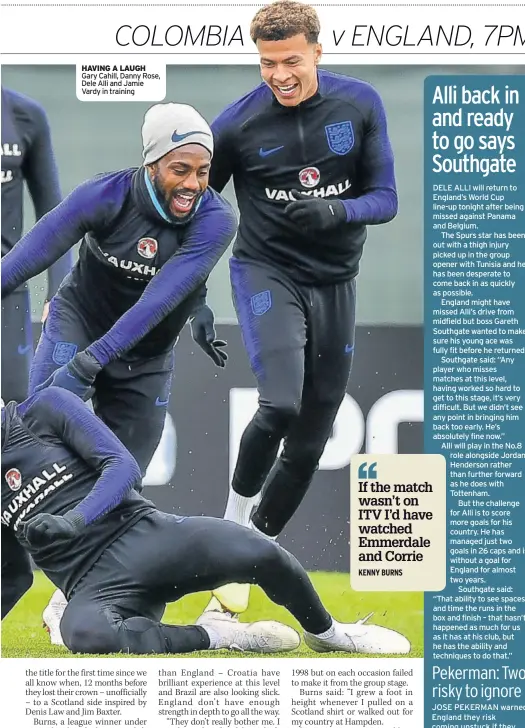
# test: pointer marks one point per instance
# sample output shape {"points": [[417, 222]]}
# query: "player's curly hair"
{"points": [[283, 19]]}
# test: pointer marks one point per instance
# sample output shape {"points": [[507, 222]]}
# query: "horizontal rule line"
{"points": [[242, 5], [240, 53]]}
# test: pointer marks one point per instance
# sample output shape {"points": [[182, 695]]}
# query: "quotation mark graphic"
{"points": [[367, 472]]}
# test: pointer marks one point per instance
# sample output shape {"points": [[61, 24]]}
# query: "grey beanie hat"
{"points": [[169, 126]]}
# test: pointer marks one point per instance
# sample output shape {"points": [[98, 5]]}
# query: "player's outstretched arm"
{"points": [[208, 237], [378, 203], [87, 436], [41, 174], [17, 576], [56, 233]]}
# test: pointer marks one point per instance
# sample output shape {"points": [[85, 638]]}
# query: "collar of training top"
{"points": [[144, 197]]}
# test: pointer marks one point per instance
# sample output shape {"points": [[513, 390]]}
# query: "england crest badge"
{"points": [[261, 302], [340, 137]]}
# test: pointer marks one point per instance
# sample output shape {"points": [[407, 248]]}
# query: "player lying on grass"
{"points": [[69, 500]]}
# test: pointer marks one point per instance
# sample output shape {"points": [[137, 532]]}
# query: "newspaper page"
{"points": [[278, 250]]}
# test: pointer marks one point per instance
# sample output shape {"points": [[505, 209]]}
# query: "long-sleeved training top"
{"points": [[57, 456], [334, 144], [135, 265], [27, 155]]}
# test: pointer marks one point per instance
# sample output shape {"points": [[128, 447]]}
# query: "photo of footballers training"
{"points": [[209, 304]]}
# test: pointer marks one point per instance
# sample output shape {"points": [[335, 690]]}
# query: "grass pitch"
{"points": [[23, 635]]}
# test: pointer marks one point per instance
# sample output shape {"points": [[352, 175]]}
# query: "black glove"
{"points": [[77, 375], [203, 332], [45, 528], [315, 214]]}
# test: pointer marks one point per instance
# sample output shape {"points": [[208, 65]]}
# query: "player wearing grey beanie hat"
{"points": [[170, 126], [177, 151]]}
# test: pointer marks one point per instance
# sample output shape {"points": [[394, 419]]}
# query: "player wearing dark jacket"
{"points": [[27, 156], [150, 238], [312, 166], [68, 499]]}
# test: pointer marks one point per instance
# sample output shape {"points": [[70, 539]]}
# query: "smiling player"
{"points": [[150, 238], [312, 166]]}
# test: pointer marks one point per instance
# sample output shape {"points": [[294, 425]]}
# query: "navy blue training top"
{"points": [[27, 155], [335, 144], [135, 265], [58, 456]]}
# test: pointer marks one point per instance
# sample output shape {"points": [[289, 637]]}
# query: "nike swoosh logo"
{"points": [[267, 152], [179, 137], [24, 349], [349, 349], [161, 402]]}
